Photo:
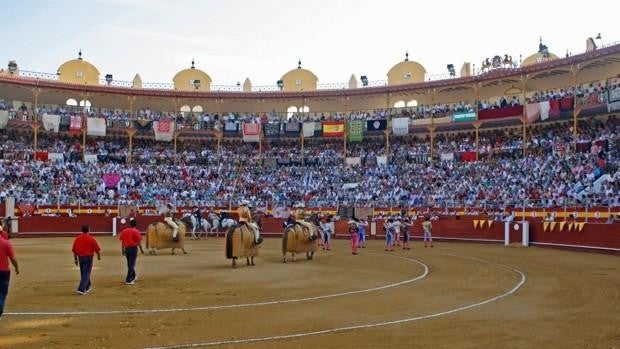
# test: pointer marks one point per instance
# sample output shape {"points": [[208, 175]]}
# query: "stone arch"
{"points": [[185, 109], [197, 109], [86, 104], [72, 102], [399, 104], [412, 103], [290, 111]]}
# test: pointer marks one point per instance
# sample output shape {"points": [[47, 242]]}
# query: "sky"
{"points": [[235, 39]]}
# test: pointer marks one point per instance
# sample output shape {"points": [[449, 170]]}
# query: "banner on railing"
{"points": [[461, 117], [50, 122], [251, 132], [333, 128], [291, 128], [554, 108], [65, 122], [111, 179], [613, 100], [96, 127], [400, 126], [535, 111], [308, 129], [41, 156], [382, 160], [90, 158], [56, 157], [468, 156], [271, 130], [532, 112], [355, 131], [4, 119], [353, 161], [447, 156], [76, 124], [164, 130], [143, 125], [376, 125], [231, 127]]}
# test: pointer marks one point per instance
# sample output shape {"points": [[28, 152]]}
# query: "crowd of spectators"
{"points": [[550, 175], [205, 171]]}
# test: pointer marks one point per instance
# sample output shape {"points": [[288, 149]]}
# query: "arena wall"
{"points": [[593, 236]]}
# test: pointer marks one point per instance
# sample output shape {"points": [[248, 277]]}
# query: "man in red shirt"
{"points": [[6, 254], [130, 241], [3, 234], [84, 247]]}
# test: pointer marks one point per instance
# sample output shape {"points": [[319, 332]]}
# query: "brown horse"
{"points": [[159, 236], [298, 239]]}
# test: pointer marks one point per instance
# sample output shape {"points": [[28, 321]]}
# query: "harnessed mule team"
{"points": [[242, 237]]}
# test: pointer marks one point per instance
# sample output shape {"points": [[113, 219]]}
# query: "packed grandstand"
{"points": [[548, 147]]}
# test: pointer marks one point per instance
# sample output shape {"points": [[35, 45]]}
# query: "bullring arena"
{"points": [[452, 296], [512, 165]]}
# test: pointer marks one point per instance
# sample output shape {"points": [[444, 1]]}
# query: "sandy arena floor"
{"points": [[452, 296]]}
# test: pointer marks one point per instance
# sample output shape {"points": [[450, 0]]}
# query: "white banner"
{"points": [[51, 122], [447, 156], [544, 110], [353, 161], [400, 126], [90, 158], [308, 129], [4, 119], [382, 160], [95, 127], [56, 157]]}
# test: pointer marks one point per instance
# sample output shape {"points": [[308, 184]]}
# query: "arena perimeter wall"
{"points": [[595, 235]]}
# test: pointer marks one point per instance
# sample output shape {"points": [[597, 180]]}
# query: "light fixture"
{"points": [[108, 78], [364, 79], [280, 84], [451, 70], [196, 84], [12, 67]]}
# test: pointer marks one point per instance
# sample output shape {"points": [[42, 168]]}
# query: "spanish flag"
{"points": [[333, 128]]}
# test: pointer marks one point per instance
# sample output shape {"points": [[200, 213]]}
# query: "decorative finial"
{"points": [[407, 56], [80, 55], [193, 63], [299, 64]]}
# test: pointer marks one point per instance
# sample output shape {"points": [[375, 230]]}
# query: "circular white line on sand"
{"points": [[364, 326], [229, 306]]}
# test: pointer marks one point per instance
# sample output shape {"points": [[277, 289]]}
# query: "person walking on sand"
{"points": [[84, 248]]}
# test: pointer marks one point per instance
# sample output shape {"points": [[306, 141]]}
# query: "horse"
{"points": [[240, 242], [227, 223], [159, 236], [191, 220], [215, 223], [297, 239]]}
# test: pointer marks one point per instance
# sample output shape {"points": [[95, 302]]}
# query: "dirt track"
{"points": [[568, 300]]}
